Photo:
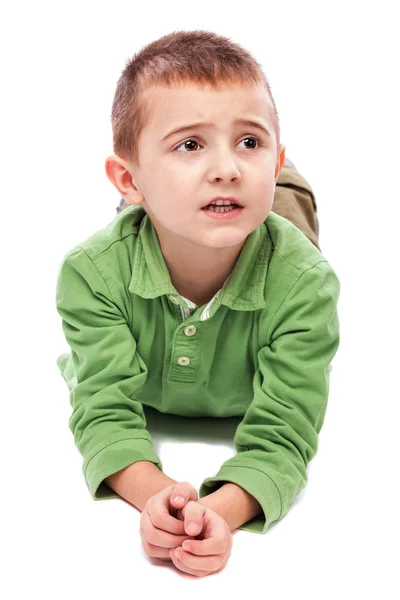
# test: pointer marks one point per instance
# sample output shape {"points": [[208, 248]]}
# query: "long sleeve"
{"points": [[278, 435], [103, 372]]}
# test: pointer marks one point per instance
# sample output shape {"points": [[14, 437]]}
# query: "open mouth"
{"points": [[223, 213], [221, 209]]}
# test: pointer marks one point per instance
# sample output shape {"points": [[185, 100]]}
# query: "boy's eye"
{"points": [[193, 141]]}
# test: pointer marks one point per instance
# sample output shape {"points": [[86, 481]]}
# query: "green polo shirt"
{"points": [[261, 349]]}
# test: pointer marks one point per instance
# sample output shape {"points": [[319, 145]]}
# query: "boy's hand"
{"points": [[161, 524], [211, 552]]}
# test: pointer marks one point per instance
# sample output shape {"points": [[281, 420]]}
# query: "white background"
{"points": [[335, 78]]}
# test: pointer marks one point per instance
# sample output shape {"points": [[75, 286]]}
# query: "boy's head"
{"points": [[182, 79]]}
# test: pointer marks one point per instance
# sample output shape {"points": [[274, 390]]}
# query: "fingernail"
{"points": [[192, 527], [178, 499]]}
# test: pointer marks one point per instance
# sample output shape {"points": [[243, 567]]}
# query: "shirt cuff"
{"points": [[255, 482], [109, 458]]}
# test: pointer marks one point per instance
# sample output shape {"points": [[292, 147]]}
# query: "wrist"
{"points": [[233, 504]]}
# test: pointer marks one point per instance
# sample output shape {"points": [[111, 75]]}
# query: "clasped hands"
{"points": [[167, 534]]}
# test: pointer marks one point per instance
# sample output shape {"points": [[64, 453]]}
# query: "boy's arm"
{"points": [[232, 503], [138, 482], [107, 423], [278, 435]]}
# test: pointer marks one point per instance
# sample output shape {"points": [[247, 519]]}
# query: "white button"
{"points": [[190, 330], [183, 360], [174, 299]]}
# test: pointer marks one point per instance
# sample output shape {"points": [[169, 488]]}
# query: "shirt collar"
{"points": [[243, 289]]}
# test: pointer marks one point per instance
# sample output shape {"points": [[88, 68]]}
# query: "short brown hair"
{"points": [[197, 56]]}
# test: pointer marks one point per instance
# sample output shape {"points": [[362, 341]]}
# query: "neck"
{"points": [[196, 271], [199, 278]]}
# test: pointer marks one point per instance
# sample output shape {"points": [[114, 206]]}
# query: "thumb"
{"points": [[182, 493], [194, 513]]}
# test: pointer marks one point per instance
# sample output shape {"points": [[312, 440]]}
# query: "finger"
{"points": [[161, 517], [216, 543], [209, 563], [194, 518], [178, 501], [157, 536], [179, 565], [182, 493], [154, 551], [163, 521], [207, 547]]}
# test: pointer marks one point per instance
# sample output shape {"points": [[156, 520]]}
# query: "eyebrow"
{"points": [[207, 124]]}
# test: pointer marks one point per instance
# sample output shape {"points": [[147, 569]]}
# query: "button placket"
{"points": [[184, 361], [188, 331]]}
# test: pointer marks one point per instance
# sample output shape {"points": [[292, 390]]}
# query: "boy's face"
{"points": [[176, 178]]}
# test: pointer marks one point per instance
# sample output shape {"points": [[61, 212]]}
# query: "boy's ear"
{"points": [[281, 160], [119, 173]]}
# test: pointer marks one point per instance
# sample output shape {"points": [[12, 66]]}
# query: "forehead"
{"points": [[189, 103]]}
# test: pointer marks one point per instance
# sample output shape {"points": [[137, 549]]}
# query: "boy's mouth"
{"points": [[222, 204], [220, 208]]}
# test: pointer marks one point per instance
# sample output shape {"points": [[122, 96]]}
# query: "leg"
{"points": [[295, 200]]}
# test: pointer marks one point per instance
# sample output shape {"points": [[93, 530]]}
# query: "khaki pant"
{"points": [[293, 199]]}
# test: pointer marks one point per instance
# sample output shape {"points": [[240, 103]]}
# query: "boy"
{"points": [[200, 310]]}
